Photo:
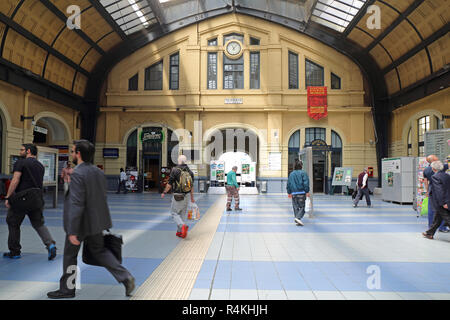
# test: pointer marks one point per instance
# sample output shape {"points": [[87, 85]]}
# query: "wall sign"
{"points": [[317, 102], [40, 129], [234, 100], [319, 145], [110, 152], [274, 161], [152, 136]]}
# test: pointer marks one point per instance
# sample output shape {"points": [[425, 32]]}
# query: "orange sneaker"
{"points": [[178, 234], [184, 230]]}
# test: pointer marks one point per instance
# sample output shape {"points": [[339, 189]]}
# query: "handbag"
{"points": [[29, 199], [112, 242]]}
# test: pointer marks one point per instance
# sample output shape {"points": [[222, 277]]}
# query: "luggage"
{"points": [[113, 243]]}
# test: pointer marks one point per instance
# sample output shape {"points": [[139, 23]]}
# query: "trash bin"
{"points": [[264, 186], [201, 186]]}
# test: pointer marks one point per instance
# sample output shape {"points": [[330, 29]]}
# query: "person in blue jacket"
{"points": [[298, 190]]}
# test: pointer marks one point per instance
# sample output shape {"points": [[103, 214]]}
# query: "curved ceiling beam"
{"points": [[2, 46]]}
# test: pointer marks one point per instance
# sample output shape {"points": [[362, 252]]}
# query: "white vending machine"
{"points": [[398, 180]]}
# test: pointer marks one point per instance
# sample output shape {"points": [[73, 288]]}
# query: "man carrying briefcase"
{"points": [[86, 216]]}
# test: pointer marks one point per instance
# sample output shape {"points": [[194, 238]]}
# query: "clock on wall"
{"points": [[233, 49]]}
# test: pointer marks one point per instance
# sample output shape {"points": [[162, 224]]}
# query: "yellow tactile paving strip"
{"points": [[175, 276]]}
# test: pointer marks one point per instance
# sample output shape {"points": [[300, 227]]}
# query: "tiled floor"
{"points": [[261, 253], [342, 253]]}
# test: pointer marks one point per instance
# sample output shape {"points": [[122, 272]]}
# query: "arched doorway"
{"points": [[227, 147], [145, 155], [53, 132]]}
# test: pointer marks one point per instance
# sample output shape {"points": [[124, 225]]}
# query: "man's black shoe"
{"points": [[238, 209], [58, 294], [11, 255], [229, 209], [129, 286]]}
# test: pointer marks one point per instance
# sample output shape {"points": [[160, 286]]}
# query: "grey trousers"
{"points": [[178, 210], [101, 254], [14, 221], [365, 192]]}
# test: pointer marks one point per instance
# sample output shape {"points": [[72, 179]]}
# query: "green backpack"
{"points": [[184, 184]]}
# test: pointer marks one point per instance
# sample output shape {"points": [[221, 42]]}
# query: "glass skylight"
{"points": [[336, 14], [130, 15]]}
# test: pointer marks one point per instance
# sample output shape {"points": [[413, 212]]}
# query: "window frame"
{"points": [[171, 73], [135, 77], [224, 59], [148, 81], [297, 85], [306, 73], [258, 72], [208, 67], [340, 81]]}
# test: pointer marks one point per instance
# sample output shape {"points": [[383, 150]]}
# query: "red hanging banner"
{"points": [[317, 102]]}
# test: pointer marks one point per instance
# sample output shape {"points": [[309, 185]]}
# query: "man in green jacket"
{"points": [[298, 189], [232, 190]]}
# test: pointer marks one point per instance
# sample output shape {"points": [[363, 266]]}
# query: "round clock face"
{"points": [[233, 48]]}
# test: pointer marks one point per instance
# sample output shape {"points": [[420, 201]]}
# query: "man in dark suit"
{"points": [[440, 189], [86, 215]]}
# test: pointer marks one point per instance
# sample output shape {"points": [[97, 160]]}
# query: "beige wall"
{"points": [[15, 102], [406, 117], [272, 107]]}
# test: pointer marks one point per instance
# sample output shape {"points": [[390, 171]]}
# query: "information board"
{"points": [[421, 191], [436, 142], [274, 161], [342, 176], [391, 165], [48, 160]]}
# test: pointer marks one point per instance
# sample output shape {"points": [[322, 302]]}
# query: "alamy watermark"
{"points": [[374, 280], [374, 21], [74, 20], [74, 280]]}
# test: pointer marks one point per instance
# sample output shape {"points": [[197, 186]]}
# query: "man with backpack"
{"points": [[27, 179], [181, 180]]}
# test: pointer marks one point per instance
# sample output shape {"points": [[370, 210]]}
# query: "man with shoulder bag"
{"points": [[181, 179], [25, 198]]}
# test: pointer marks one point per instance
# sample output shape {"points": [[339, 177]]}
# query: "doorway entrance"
{"points": [[319, 174]]}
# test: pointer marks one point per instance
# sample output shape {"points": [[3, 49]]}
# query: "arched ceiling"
{"points": [[404, 60], [412, 46]]}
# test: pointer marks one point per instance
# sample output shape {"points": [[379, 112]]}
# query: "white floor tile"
{"points": [[220, 294], [329, 295], [238, 294], [300, 295], [414, 296], [272, 295], [378, 295], [357, 295], [199, 294]]}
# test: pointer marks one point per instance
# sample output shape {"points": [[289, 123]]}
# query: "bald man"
{"points": [[180, 200], [427, 174]]}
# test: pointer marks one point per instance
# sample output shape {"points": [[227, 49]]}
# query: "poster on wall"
{"points": [[274, 161], [317, 102], [421, 191], [390, 179], [342, 177], [48, 160]]}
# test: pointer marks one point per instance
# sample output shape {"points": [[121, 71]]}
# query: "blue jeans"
{"points": [[298, 203], [431, 215]]}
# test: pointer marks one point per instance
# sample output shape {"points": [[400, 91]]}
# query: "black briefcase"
{"points": [[113, 243]]}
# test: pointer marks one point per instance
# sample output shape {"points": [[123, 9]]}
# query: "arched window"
{"points": [[423, 125], [336, 151], [132, 150], [293, 149]]}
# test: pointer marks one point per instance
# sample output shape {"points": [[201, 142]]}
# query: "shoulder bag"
{"points": [[29, 199]]}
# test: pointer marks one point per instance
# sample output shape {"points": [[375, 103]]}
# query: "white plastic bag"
{"points": [[193, 212], [308, 205]]}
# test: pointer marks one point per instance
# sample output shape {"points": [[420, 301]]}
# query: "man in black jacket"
{"points": [[440, 189], [28, 173], [86, 216]]}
